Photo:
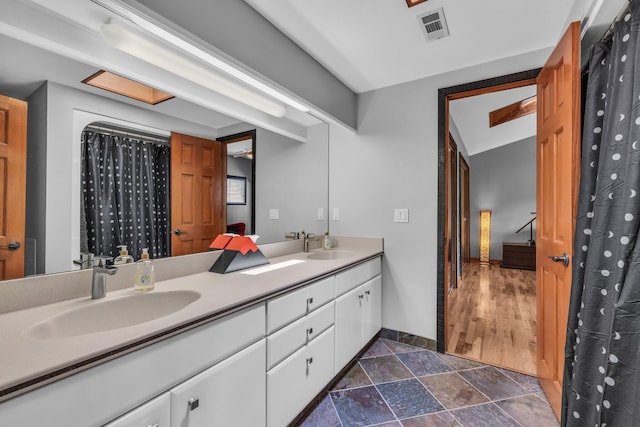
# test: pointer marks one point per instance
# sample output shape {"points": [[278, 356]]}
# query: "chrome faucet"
{"points": [[307, 237], [99, 280]]}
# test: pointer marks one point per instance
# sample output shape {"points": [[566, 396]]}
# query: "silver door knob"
{"points": [[177, 232], [13, 246], [564, 258]]}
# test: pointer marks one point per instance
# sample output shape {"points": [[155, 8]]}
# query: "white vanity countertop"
{"points": [[27, 362]]}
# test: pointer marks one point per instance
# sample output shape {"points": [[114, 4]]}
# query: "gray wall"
{"points": [[503, 180], [241, 213], [238, 30]]}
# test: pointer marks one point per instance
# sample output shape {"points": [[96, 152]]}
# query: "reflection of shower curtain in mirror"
{"points": [[125, 189]]}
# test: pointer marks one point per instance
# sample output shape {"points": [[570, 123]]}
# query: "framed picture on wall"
{"points": [[236, 190]]}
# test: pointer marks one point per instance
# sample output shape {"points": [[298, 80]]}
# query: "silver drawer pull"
{"points": [[309, 302], [154, 425], [193, 404], [309, 333], [309, 362], [368, 292]]}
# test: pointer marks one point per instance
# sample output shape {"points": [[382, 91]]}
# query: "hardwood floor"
{"points": [[492, 317]]}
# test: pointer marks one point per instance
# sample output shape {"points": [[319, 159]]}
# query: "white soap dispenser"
{"points": [[326, 242], [145, 278], [124, 257]]}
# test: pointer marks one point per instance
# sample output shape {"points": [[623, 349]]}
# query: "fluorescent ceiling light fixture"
{"points": [[172, 38], [129, 41]]}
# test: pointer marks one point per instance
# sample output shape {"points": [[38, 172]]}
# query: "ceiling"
{"points": [[375, 44], [471, 117]]}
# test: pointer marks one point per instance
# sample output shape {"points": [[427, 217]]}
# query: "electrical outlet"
{"points": [[336, 214], [274, 214], [320, 214]]}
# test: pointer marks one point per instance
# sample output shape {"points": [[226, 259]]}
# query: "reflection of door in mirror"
{"points": [[240, 162], [198, 182], [13, 167]]}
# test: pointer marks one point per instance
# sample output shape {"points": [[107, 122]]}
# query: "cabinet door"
{"points": [[294, 382], [154, 413], [231, 393], [371, 309], [348, 326]]}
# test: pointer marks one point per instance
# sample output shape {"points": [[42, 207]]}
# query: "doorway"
{"points": [[445, 270], [241, 168]]}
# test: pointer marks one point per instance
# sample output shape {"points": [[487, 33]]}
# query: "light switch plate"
{"points": [[274, 214], [320, 214], [336, 214], [401, 215]]}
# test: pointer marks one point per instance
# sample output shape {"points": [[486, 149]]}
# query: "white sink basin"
{"points": [[109, 314], [331, 254]]}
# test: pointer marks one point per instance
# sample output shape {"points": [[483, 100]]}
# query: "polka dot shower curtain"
{"points": [[602, 367], [125, 188]]}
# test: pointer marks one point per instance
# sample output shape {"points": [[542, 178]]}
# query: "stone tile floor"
{"points": [[399, 385]]}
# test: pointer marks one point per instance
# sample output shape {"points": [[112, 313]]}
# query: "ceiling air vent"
{"points": [[434, 24]]}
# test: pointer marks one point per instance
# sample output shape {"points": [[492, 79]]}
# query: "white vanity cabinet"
{"points": [[358, 310], [261, 365]]}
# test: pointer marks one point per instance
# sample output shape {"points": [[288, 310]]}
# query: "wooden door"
{"points": [[13, 175], [558, 151], [465, 231], [198, 193]]}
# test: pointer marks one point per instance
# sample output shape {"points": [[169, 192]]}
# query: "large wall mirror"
{"points": [[285, 173]]}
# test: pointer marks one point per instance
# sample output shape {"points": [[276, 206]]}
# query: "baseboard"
{"points": [[406, 338]]}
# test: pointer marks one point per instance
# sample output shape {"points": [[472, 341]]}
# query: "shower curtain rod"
{"points": [[609, 33], [161, 140]]}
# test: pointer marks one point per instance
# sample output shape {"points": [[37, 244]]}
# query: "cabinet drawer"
{"points": [[152, 413], [290, 338], [299, 378], [293, 305], [357, 275]]}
